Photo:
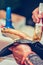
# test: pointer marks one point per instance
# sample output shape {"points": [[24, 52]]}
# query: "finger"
{"points": [[28, 61], [39, 16], [34, 19], [22, 60], [35, 14], [37, 20], [36, 11]]}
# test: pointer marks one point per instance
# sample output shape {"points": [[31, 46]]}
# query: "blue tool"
{"points": [[8, 18]]}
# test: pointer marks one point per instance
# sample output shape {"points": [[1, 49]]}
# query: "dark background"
{"points": [[21, 7]]}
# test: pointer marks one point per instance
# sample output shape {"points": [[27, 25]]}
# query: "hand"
{"points": [[20, 52], [36, 16]]}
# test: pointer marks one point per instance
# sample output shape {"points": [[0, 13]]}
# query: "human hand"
{"points": [[36, 16], [20, 52]]}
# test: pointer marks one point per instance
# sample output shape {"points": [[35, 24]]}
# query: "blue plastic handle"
{"points": [[8, 18]]}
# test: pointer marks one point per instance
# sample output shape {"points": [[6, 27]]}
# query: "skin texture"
{"points": [[20, 52], [36, 16]]}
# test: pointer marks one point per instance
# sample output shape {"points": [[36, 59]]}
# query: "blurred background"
{"points": [[21, 7]]}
